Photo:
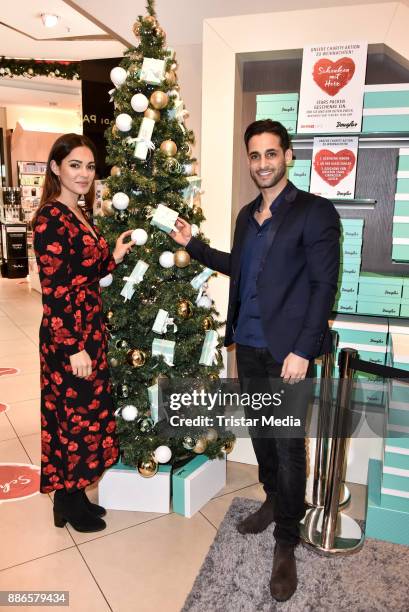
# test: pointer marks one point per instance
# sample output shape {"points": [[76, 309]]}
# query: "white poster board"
{"points": [[332, 88], [333, 170]]}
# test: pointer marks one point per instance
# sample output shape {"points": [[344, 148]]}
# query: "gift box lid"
{"points": [[379, 279], [277, 96], [360, 323]]}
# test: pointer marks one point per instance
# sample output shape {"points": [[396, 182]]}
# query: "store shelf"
{"points": [[354, 204]]}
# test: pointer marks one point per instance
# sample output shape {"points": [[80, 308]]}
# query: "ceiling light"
{"points": [[49, 20]]}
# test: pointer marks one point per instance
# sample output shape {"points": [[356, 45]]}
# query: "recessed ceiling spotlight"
{"points": [[49, 20]]}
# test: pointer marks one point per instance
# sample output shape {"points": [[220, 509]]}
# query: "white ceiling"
{"points": [[182, 20]]}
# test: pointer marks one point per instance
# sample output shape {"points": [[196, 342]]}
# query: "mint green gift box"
{"points": [[400, 252], [347, 291], [345, 306], [273, 97], [287, 108], [402, 184], [377, 285], [196, 483], [289, 124], [361, 330], [403, 163], [385, 123], [400, 229], [386, 98], [164, 218], [351, 247], [349, 269], [384, 521], [401, 207], [209, 351], [383, 306], [166, 348]]}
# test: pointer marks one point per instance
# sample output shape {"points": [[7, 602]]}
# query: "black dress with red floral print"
{"points": [[77, 415]]}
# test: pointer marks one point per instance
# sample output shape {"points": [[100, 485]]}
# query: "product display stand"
{"points": [[328, 530]]}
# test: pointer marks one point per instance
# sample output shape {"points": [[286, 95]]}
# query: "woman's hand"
{"points": [[184, 232], [81, 364], [122, 248]]}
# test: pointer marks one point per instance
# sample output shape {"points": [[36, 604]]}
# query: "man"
{"points": [[283, 270]]}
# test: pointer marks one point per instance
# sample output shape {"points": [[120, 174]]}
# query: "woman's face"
{"points": [[77, 171]]}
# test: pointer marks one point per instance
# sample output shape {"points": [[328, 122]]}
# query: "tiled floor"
{"points": [[142, 562]]}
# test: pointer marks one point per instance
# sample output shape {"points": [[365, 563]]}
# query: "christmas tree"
{"points": [[160, 319]]}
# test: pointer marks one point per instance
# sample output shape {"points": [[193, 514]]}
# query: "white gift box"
{"points": [[153, 70], [123, 488], [143, 142], [196, 483]]}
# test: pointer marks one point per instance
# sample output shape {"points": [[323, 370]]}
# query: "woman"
{"points": [[78, 425]]}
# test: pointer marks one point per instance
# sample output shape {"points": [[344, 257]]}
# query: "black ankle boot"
{"points": [[71, 508], [283, 582], [259, 520], [93, 508]]}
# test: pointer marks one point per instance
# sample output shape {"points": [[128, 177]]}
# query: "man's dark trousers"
{"points": [[281, 457]]}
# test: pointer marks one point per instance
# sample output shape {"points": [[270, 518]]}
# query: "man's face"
{"points": [[267, 160]]}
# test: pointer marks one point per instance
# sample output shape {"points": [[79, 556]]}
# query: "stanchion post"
{"points": [[324, 413]]}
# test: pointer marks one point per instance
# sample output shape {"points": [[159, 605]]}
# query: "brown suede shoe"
{"points": [[259, 520], [283, 582]]}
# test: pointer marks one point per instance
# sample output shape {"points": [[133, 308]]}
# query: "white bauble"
{"points": [[129, 413], [167, 259], [204, 302], [194, 229], [118, 76], [123, 122], [162, 454], [139, 103], [105, 281], [120, 200], [139, 236]]}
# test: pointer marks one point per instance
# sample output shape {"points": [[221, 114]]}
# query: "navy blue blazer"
{"points": [[297, 280]]}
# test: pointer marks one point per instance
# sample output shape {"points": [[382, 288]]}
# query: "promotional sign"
{"points": [[334, 167], [18, 481], [332, 88]]}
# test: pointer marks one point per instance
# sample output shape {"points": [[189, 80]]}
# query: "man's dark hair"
{"points": [[268, 125]]}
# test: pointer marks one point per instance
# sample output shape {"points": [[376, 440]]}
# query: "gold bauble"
{"points": [[109, 315], [159, 99], [115, 171], [169, 148], [114, 130], [170, 77], [213, 376], [160, 32], [185, 309], [207, 323], [114, 363], [228, 447], [107, 208], [151, 113], [136, 29], [200, 446], [133, 68], [147, 469], [151, 20], [136, 358], [211, 434], [182, 258], [197, 210]]}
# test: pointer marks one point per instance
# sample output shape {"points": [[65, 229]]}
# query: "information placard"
{"points": [[334, 167], [332, 88]]}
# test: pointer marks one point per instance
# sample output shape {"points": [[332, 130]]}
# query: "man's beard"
{"points": [[276, 177]]}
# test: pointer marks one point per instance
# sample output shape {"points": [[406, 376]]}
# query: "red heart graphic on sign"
{"points": [[333, 76], [3, 407], [8, 371], [333, 167], [18, 480]]}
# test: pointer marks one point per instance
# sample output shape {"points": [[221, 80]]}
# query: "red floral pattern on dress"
{"points": [[77, 416]]}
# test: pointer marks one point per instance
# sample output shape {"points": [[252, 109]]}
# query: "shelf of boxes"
{"points": [[279, 107], [386, 108]]}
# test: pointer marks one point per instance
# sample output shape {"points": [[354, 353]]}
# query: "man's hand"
{"points": [[294, 368], [183, 233], [81, 364]]}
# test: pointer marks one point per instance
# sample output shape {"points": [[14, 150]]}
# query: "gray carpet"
{"points": [[236, 572]]}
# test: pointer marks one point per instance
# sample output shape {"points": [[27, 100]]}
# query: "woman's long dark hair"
{"points": [[59, 151]]}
